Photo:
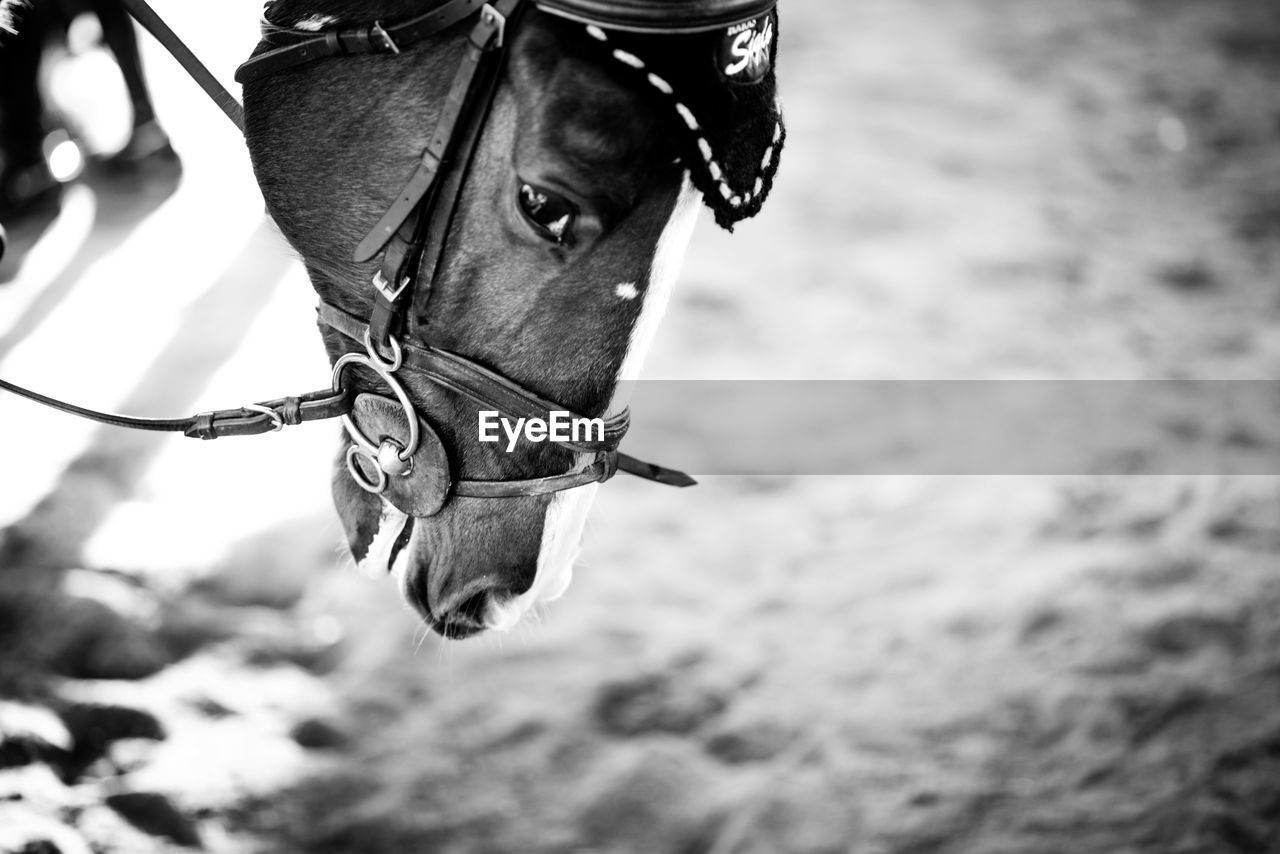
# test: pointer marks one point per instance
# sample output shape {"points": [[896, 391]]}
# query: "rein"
{"points": [[154, 24], [251, 419], [411, 239]]}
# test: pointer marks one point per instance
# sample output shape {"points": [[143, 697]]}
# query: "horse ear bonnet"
{"points": [[710, 66]]}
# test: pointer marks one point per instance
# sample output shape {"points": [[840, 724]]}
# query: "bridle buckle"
{"points": [[385, 37], [496, 19], [389, 293]]}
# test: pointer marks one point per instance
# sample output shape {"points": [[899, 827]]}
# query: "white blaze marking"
{"points": [[627, 290], [561, 542], [567, 515], [667, 261], [377, 560]]}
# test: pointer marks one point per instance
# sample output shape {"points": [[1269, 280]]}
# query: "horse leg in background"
{"points": [[147, 141], [26, 185]]}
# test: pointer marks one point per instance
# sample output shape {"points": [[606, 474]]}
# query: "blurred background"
{"points": [[978, 189]]}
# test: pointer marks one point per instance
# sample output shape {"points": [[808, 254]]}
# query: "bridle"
{"points": [[410, 233], [410, 238]]}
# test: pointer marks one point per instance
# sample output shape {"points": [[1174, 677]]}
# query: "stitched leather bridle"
{"points": [[410, 238]]}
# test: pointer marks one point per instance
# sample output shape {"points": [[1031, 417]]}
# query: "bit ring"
{"points": [[362, 443], [378, 484]]}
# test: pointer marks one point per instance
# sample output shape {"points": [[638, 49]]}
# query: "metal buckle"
{"points": [[387, 456], [610, 460], [494, 18], [387, 42], [384, 287], [276, 418]]}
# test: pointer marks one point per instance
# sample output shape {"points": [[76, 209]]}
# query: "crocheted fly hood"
{"points": [[710, 65]]}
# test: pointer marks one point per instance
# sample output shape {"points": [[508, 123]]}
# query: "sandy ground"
{"points": [[897, 664]]}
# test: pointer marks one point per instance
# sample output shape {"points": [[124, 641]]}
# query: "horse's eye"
{"points": [[551, 214]]}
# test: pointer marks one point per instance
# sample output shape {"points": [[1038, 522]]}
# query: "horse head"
{"points": [[577, 200]]}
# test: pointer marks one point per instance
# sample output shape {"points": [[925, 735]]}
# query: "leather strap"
{"points": [[490, 389], [444, 203], [656, 473], [598, 472], [302, 46], [291, 411], [487, 37], [245, 421], [155, 25], [477, 383], [396, 280]]}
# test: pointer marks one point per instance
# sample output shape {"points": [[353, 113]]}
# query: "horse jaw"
{"points": [[567, 514]]}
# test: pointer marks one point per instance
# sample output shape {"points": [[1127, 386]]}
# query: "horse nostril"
{"points": [[464, 619], [472, 610], [485, 603]]}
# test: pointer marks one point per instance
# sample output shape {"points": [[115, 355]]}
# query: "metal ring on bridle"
{"points": [[379, 484], [365, 446], [397, 355], [277, 420]]}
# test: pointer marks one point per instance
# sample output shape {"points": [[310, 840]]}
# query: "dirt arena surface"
{"points": [[906, 664]]}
